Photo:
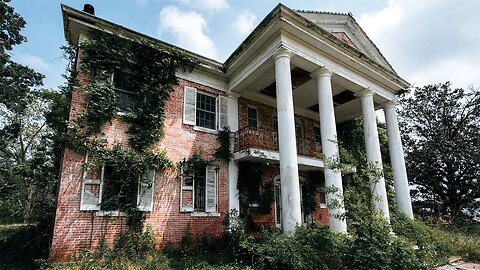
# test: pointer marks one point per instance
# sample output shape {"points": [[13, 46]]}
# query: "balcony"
{"points": [[265, 139]]}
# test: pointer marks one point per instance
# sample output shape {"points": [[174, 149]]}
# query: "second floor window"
{"points": [[123, 83], [316, 134], [206, 115], [252, 117]]}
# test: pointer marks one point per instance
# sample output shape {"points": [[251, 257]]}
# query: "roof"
{"points": [[279, 13]]}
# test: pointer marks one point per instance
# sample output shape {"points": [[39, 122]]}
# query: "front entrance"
{"points": [[306, 218]]}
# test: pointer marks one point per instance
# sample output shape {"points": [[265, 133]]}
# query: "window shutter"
{"points": [[146, 184], [186, 193], [211, 190], [189, 105], [223, 112], [92, 186]]}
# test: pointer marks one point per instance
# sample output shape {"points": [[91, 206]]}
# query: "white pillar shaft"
{"points": [[402, 191], [233, 200], [328, 131], [374, 155], [291, 209]]}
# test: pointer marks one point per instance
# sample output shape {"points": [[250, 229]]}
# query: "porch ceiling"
{"points": [[260, 85]]}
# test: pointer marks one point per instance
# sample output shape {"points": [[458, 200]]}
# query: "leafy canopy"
{"points": [[441, 129]]}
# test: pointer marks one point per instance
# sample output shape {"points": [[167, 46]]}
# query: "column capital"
{"points": [[391, 104], [321, 72], [282, 52], [364, 92]]}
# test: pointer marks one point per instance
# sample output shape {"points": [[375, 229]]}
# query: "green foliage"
{"points": [[440, 127], [223, 151], [122, 168], [153, 72], [152, 69]]}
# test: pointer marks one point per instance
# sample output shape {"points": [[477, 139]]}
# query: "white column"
{"points": [[374, 156], [328, 131], [400, 179], [291, 209], [233, 200]]}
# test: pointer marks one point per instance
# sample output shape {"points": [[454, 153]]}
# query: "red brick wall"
{"points": [[265, 138], [75, 230]]}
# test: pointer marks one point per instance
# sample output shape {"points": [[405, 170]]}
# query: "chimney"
{"points": [[87, 8]]}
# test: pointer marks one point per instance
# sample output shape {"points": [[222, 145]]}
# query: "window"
{"points": [[103, 182], [123, 84], [204, 110], [316, 134], [252, 117], [199, 191], [299, 128]]}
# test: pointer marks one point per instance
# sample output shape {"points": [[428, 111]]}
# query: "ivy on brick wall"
{"points": [[151, 69]]}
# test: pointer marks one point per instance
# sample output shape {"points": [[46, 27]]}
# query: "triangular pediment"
{"points": [[344, 27]]}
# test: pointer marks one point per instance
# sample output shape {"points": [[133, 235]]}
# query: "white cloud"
{"points": [[428, 41], [31, 61], [188, 28], [244, 22], [377, 22], [141, 3], [210, 5]]}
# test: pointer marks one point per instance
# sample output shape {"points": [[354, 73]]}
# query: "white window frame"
{"points": [[150, 186], [100, 183], [216, 111], [221, 117], [88, 181], [191, 207]]}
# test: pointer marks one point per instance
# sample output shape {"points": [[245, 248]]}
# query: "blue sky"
{"points": [[426, 41]]}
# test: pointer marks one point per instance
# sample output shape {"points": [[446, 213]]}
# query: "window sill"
{"points": [[110, 214], [203, 214], [206, 130]]}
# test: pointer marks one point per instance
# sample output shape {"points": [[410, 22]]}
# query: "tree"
{"points": [[26, 173], [441, 128]]}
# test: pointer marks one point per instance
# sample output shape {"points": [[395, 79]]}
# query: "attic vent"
{"points": [[87, 8]]}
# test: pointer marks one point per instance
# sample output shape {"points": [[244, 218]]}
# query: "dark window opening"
{"points": [[123, 83], [252, 117], [317, 134]]}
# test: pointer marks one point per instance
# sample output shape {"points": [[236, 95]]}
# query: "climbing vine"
{"points": [[223, 151], [151, 72]]}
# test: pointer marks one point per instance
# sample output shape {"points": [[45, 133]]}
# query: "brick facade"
{"points": [[75, 230]]}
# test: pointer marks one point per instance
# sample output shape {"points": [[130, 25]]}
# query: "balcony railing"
{"points": [[266, 139]]}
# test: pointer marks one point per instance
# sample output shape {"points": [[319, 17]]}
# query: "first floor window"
{"points": [[199, 190], [103, 188]]}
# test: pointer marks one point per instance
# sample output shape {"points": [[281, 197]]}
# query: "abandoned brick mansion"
{"points": [[281, 93]]}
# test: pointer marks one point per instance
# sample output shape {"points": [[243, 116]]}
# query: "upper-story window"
{"points": [[316, 134], [299, 128], [123, 83], [252, 117], [204, 110]]}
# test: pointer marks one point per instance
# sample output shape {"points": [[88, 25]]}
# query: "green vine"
{"points": [[223, 151], [152, 71], [194, 165]]}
